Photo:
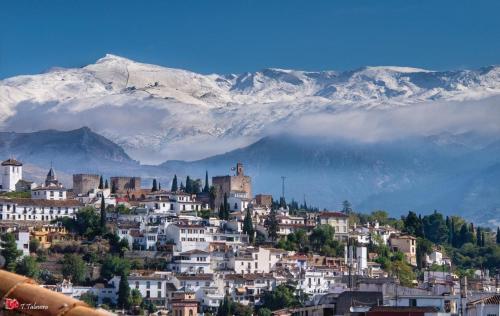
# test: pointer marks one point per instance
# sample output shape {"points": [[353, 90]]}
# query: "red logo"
{"points": [[11, 303]]}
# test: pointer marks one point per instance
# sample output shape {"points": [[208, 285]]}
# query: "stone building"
{"points": [[264, 200], [122, 184], [84, 183], [227, 184]]}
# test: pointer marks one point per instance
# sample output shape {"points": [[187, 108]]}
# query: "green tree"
{"points": [[101, 183], [346, 207], [380, 216], [89, 298], [226, 207], [182, 187], [282, 297], [424, 247], [34, 245], [74, 268], [135, 298], [272, 225], [10, 251], [248, 225], [413, 224], [155, 186], [321, 236], [103, 215], [403, 272], [435, 228], [498, 236], [189, 185], [264, 312], [206, 188], [28, 266], [114, 265], [106, 184], [174, 184], [113, 187], [478, 237], [124, 298], [225, 307]]}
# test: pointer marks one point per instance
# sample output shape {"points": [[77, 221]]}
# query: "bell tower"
{"points": [[11, 174]]}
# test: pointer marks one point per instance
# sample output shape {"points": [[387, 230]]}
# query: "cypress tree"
{"points": [[498, 235], [174, 184], [189, 185], [159, 186], [221, 211], [106, 184], [182, 187], [483, 241], [103, 215], [113, 187], [272, 225], [101, 183], [478, 236], [463, 235], [206, 188], [451, 237], [123, 292], [155, 186], [248, 225], [226, 207]]}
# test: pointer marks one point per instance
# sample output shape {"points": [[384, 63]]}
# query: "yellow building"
{"points": [[49, 234]]}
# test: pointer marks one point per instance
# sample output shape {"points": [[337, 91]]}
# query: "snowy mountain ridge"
{"points": [[172, 113]]}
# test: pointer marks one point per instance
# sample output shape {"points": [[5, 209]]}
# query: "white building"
{"points": [[251, 260], [49, 193], [152, 286], [172, 202], [339, 221], [12, 172], [17, 209], [192, 262], [188, 236], [23, 241], [238, 201]]}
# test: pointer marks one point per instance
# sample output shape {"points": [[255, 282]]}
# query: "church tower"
{"points": [[11, 174]]}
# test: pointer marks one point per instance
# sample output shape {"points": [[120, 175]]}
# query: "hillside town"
{"points": [[213, 246]]}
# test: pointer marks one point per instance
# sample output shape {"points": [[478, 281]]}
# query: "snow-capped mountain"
{"points": [[159, 113]]}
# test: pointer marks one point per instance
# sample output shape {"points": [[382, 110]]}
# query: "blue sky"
{"points": [[237, 36]]}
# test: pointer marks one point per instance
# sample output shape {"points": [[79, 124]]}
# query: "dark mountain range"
{"points": [[456, 174]]}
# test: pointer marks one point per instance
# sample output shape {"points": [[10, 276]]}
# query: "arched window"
{"points": [[190, 312]]}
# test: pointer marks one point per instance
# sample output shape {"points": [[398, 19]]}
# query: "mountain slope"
{"points": [[79, 150], [442, 172], [159, 113]]}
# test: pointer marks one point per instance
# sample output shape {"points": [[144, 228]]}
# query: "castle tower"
{"points": [[11, 174]]}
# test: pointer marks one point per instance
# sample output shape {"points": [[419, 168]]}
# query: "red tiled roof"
{"points": [[332, 214]]}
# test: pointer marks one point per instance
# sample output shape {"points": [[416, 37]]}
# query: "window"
{"points": [[137, 284], [413, 302], [148, 284]]}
